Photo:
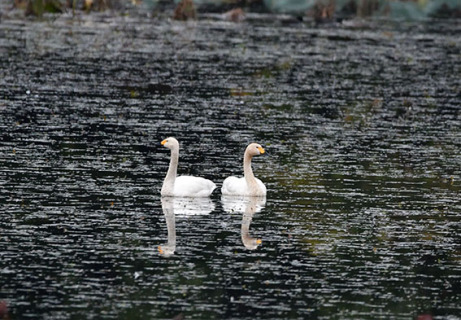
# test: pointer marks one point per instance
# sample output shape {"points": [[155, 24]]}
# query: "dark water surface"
{"points": [[361, 123]]}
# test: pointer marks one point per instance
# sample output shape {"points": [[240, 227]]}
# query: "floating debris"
{"points": [[185, 10], [235, 15]]}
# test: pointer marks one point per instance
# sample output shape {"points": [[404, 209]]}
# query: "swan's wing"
{"points": [[189, 186], [234, 186], [261, 184]]}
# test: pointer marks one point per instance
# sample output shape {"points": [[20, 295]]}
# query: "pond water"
{"points": [[361, 124]]}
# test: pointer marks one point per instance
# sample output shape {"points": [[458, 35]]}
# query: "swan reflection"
{"points": [[169, 248], [173, 207], [248, 206]]}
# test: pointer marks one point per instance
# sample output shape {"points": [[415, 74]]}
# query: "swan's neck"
{"points": [[250, 179], [168, 183]]}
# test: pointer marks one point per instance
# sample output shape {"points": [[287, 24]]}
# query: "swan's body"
{"points": [[189, 186], [249, 185], [239, 186], [183, 186]]}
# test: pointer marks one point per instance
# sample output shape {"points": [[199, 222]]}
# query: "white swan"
{"points": [[249, 185], [183, 186]]}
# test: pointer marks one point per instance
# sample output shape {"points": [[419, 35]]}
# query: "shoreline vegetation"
{"points": [[234, 10]]}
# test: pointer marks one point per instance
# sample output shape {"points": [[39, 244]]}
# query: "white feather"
{"points": [[238, 186], [189, 186]]}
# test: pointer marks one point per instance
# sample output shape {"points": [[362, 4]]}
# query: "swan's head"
{"points": [[255, 149], [170, 143]]}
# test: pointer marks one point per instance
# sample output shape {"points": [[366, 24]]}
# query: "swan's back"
{"points": [[239, 187], [234, 186], [262, 186], [189, 186]]}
